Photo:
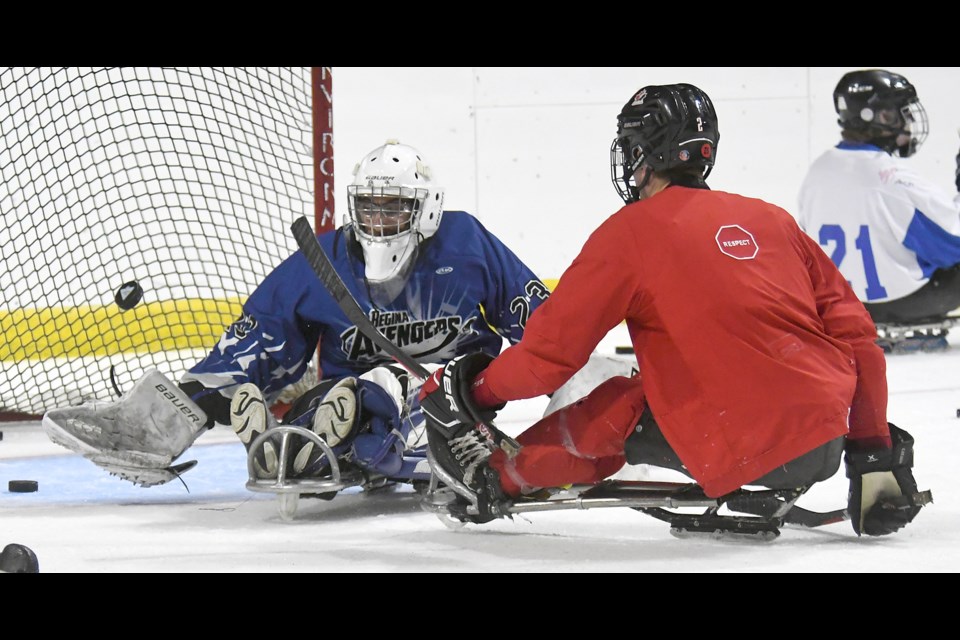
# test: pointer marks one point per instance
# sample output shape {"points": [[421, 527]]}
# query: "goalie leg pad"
{"points": [[250, 417], [334, 421]]}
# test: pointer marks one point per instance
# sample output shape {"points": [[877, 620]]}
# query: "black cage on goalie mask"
{"points": [[666, 126]]}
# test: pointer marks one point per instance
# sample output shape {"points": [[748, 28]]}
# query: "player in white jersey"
{"points": [[893, 234]]}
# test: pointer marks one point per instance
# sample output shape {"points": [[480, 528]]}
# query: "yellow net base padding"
{"points": [[39, 334], [169, 325]]}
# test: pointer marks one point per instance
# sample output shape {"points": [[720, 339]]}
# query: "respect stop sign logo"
{"points": [[737, 242]]}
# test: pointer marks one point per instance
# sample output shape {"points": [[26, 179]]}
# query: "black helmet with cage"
{"points": [[881, 108], [667, 127]]}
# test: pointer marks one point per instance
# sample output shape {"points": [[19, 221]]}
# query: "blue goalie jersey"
{"points": [[466, 292]]}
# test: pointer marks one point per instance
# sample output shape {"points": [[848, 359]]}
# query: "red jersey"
{"points": [[752, 347]]}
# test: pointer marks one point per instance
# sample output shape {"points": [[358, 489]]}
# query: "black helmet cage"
{"points": [[881, 106], [665, 127]]}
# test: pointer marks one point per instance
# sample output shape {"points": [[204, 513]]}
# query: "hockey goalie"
{"points": [[436, 283]]}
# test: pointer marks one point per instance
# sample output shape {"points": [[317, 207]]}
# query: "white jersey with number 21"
{"points": [[886, 228]]}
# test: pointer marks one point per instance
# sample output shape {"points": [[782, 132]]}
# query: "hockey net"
{"points": [[182, 180]]}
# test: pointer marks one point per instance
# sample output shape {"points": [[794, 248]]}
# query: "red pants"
{"points": [[581, 443]]}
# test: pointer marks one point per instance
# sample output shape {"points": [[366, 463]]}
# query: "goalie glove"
{"points": [[137, 437], [883, 494]]}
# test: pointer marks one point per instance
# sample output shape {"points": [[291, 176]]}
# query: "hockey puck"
{"points": [[128, 295], [22, 486], [624, 350], [17, 558]]}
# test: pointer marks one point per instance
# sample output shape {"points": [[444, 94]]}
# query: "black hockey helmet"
{"points": [[879, 107], [666, 126]]}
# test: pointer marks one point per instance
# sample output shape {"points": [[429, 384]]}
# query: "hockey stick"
{"points": [[325, 271], [335, 286]]}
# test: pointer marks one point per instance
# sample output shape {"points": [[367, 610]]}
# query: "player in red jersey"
{"points": [[758, 364]]}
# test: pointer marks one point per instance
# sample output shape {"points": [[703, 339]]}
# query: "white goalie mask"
{"points": [[393, 204]]}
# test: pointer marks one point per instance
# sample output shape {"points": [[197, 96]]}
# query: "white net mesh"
{"points": [[184, 180]]}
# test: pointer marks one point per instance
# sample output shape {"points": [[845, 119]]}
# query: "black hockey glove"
{"points": [[956, 173], [445, 397], [216, 406], [883, 494]]}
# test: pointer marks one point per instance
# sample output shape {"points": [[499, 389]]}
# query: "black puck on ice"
{"points": [[22, 486], [622, 351], [17, 558]]}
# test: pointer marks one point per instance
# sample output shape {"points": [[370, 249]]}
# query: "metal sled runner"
{"points": [[289, 490], [914, 338], [765, 510]]}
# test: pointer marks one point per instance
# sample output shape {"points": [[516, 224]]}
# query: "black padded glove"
{"points": [[216, 406], [956, 172], [445, 397], [883, 494]]}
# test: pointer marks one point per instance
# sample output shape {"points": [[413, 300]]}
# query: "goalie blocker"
{"points": [[137, 437]]}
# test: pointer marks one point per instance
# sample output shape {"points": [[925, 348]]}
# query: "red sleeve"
{"points": [[481, 394], [591, 298], [845, 318]]}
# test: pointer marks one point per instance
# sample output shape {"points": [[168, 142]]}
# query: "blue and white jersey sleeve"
{"points": [[466, 293], [272, 341], [885, 227]]}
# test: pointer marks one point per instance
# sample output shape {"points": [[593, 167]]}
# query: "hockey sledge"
{"points": [[414, 470], [924, 337], [747, 513]]}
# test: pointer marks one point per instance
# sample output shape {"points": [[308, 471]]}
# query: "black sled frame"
{"points": [[898, 338], [764, 511]]}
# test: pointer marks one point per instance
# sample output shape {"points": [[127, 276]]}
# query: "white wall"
{"points": [[527, 149]]}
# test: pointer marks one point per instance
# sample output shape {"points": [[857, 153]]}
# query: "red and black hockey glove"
{"points": [[445, 397], [883, 493]]}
